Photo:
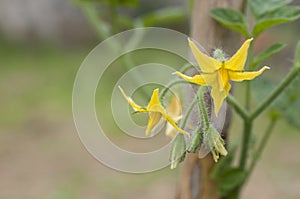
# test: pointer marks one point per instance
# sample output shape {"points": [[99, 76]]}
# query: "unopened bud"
{"points": [[178, 151]]}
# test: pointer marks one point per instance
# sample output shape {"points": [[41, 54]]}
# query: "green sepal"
{"points": [[178, 151]]}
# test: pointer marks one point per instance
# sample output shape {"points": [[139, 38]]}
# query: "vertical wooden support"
{"points": [[195, 182]]}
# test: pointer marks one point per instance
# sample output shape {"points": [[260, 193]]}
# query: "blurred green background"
{"points": [[42, 44]]}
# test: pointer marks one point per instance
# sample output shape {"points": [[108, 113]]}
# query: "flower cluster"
{"points": [[216, 73]]}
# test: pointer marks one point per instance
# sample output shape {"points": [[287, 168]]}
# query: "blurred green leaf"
{"points": [[231, 19], [287, 105], [279, 16], [125, 3], [125, 21], [230, 179], [259, 7], [266, 54], [163, 16]]}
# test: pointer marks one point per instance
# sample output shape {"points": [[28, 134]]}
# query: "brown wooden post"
{"points": [[195, 182]]}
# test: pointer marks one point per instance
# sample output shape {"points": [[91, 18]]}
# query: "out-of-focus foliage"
{"points": [[125, 3], [287, 105], [266, 13], [266, 54], [232, 19]]}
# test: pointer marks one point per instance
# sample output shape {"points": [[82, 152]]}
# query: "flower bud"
{"points": [[178, 152]]}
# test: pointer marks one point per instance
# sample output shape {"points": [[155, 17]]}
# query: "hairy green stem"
{"points": [[169, 86], [202, 106], [174, 83], [188, 112]]}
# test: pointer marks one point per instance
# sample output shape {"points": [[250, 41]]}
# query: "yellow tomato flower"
{"points": [[156, 111], [218, 72], [174, 109]]}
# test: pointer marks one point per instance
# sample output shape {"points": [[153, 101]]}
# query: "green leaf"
{"points": [[279, 16], [260, 7], [231, 19], [266, 54], [163, 16], [230, 179]]}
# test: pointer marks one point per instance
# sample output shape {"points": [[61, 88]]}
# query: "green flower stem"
{"points": [[237, 107], [188, 112], [186, 67], [262, 145], [169, 86], [267, 102], [202, 106], [174, 83]]}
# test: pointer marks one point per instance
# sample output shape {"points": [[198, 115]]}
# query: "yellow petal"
{"points": [[241, 76], [154, 101], [197, 79], [223, 77], [172, 122], [206, 63], [218, 96], [227, 88], [174, 108], [170, 130], [238, 60], [154, 118], [131, 102]]}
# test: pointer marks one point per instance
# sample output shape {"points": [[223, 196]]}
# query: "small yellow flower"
{"points": [[174, 109], [156, 111], [218, 72]]}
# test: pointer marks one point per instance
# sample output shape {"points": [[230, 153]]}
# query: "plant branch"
{"points": [[188, 112], [276, 92], [237, 107]]}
